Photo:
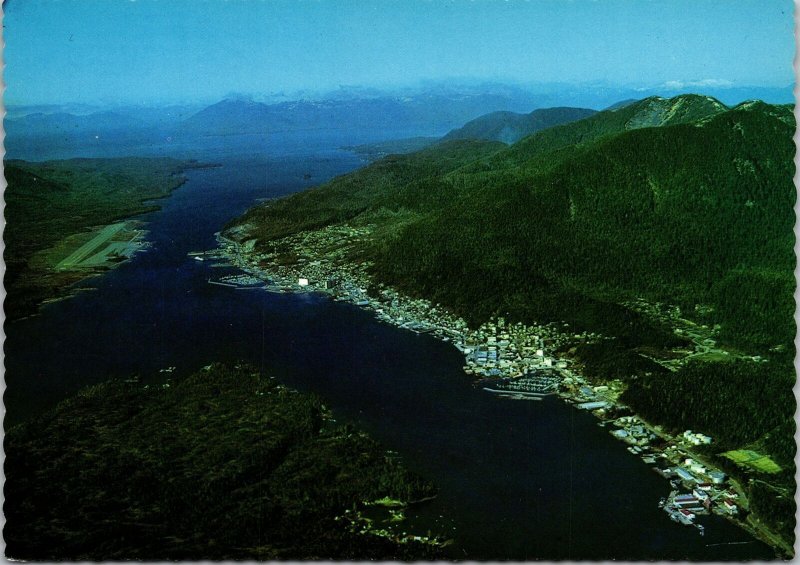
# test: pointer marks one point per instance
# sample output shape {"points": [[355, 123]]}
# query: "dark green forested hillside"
{"points": [[696, 210], [684, 214], [510, 127], [226, 464], [348, 196], [647, 113], [50, 201], [680, 201]]}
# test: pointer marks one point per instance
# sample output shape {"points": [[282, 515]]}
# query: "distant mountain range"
{"points": [[74, 133], [65, 123], [431, 110], [425, 113], [57, 120], [510, 127], [430, 114]]}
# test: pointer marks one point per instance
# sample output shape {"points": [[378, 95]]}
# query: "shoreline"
{"points": [[53, 274], [272, 426], [86, 261], [513, 353]]}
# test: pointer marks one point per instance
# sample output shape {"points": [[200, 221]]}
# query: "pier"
{"points": [[239, 282], [516, 395], [538, 385]]}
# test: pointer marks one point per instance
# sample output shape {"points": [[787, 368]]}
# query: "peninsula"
{"points": [[226, 463]]}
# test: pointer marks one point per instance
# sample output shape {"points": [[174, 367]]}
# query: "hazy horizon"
{"points": [[122, 52]]}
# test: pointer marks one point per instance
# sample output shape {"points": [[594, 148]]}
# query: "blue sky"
{"points": [[90, 51]]}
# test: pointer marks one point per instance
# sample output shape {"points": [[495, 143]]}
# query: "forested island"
{"points": [[633, 224], [225, 464], [66, 220]]}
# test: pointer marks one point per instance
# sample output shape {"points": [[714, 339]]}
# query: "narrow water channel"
{"points": [[519, 479]]}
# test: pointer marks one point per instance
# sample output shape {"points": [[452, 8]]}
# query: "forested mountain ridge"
{"points": [[680, 201], [682, 214], [606, 207], [225, 463], [346, 197], [510, 127], [603, 206], [646, 113]]}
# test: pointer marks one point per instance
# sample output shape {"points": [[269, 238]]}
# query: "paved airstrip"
{"points": [[114, 240]]}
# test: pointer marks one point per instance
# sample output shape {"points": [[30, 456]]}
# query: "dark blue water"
{"points": [[518, 480]]}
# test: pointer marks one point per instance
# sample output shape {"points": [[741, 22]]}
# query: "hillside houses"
{"points": [[508, 353]]}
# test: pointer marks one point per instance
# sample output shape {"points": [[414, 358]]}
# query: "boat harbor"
{"points": [[511, 360], [534, 386]]}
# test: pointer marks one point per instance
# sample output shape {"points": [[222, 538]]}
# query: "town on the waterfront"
{"points": [[512, 360]]}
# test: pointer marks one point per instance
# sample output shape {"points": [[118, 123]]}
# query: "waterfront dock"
{"points": [[510, 360]]}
